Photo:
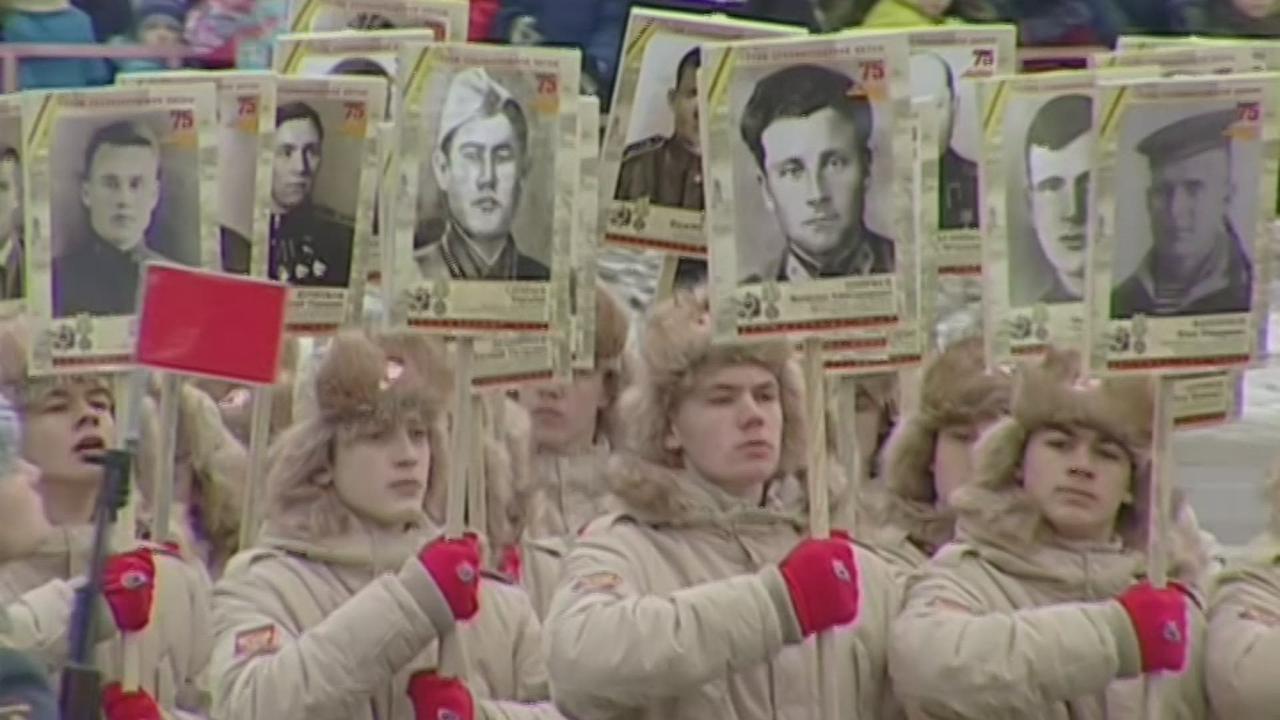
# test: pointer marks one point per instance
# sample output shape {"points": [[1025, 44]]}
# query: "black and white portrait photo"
{"points": [[12, 255], [1184, 195], [312, 230], [662, 161], [490, 197], [439, 16], [1048, 199], [120, 195], [808, 135], [935, 73]]}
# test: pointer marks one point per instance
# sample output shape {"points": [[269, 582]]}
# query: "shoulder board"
{"points": [[649, 144]]}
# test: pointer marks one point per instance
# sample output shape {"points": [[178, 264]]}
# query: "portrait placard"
{"points": [[323, 188], [651, 169], [1126, 43], [447, 19], [1035, 176], [1185, 182], [112, 177], [374, 53], [948, 62], [489, 169], [12, 249], [804, 211], [246, 126]]}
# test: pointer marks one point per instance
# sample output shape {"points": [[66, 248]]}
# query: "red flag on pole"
{"points": [[199, 322]]}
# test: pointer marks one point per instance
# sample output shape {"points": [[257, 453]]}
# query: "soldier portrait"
{"points": [[311, 244], [957, 174], [480, 161], [1057, 157], [119, 186], [667, 169], [1197, 263], [808, 129], [11, 242]]}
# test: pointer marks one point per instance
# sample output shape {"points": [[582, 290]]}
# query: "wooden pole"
{"points": [[819, 507], [1160, 505]]}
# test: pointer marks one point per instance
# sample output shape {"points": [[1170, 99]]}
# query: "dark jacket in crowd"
{"points": [[596, 26]]}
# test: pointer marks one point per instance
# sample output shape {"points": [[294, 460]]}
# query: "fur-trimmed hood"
{"points": [[361, 382], [996, 512], [675, 346], [956, 389]]}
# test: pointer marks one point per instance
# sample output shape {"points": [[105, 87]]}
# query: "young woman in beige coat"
{"points": [[696, 600], [67, 423], [1039, 609], [1244, 626], [338, 611], [928, 454]]}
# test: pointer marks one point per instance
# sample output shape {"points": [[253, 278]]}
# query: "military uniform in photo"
{"points": [[662, 170], [236, 251], [97, 278], [311, 246], [1220, 280], [447, 249], [871, 254]]}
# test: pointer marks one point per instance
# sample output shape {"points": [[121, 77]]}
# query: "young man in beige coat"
{"points": [[1040, 609], [571, 424], [67, 424], [698, 599], [1244, 626], [928, 454], [339, 610]]}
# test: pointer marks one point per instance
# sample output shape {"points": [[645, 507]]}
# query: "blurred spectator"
{"points": [[1250, 18], [1064, 22], [216, 27], [596, 26], [110, 17], [483, 15], [158, 24], [53, 21], [910, 13]]}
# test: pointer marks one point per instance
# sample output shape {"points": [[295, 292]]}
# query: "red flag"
{"points": [[198, 322]]}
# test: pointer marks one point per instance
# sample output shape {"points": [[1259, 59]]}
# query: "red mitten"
{"points": [[129, 583], [120, 705], [1159, 617], [822, 577], [512, 562], [455, 566], [437, 698]]}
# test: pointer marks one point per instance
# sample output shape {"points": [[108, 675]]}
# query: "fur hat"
{"points": [[956, 389], [360, 382], [675, 346], [994, 505]]}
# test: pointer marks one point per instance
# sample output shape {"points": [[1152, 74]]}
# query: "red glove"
{"points": [[437, 698], [1159, 618], [822, 577], [512, 563], [455, 566], [129, 583], [120, 705]]}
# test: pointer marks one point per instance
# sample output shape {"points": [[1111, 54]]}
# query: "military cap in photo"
{"points": [[472, 95], [1189, 136]]}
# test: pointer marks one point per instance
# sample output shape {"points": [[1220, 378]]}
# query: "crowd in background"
{"points": [[216, 31]]}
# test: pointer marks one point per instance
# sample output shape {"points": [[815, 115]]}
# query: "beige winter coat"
{"points": [[570, 491], [1244, 635], [335, 629], [174, 649], [675, 610]]}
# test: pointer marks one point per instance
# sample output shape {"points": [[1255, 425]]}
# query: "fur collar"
{"points": [[654, 494]]}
